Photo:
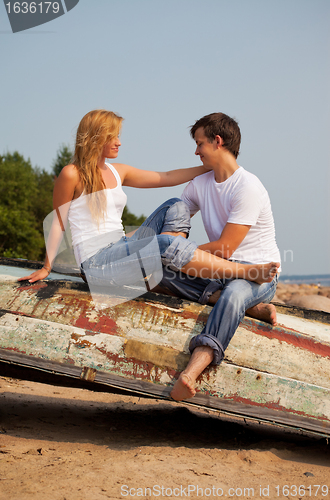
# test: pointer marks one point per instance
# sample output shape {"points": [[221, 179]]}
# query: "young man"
{"points": [[237, 216]]}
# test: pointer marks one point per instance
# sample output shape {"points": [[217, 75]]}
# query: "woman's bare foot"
{"points": [[264, 312], [183, 388], [262, 273]]}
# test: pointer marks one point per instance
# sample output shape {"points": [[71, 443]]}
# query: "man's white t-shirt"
{"points": [[240, 199]]}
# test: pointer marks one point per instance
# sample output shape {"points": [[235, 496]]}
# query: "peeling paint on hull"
{"points": [[277, 374]]}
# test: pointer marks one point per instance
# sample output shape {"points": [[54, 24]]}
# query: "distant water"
{"points": [[321, 279]]}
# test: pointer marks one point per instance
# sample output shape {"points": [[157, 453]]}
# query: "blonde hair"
{"points": [[95, 130]]}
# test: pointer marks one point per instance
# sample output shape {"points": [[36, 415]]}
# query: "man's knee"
{"points": [[177, 218]]}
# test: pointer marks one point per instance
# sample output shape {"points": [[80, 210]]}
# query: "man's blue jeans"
{"points": [[237, 295], [129, 260]]}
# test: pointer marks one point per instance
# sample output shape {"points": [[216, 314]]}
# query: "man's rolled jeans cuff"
{"points": [[208, 341], [178, 253], [210, 289]]}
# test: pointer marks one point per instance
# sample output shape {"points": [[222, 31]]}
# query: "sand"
{"points": [[73, 444]]}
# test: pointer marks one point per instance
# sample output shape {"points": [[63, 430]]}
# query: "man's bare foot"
{"points": [[264, 312], [183, 388], [263, 273], [214, 297]]}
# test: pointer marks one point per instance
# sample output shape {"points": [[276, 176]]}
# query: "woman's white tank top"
{"points": [[88, 237]]}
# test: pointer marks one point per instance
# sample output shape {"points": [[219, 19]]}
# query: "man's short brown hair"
{"points": [[224, 126]]}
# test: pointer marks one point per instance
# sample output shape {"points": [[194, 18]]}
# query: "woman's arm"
{"points": [[135, 177], [63, 194]]}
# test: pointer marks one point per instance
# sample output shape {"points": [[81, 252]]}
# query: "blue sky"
{"points": [[164, 64]]}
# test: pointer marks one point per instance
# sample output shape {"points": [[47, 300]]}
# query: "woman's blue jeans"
{"points": [[237, 295], [130, 260]]}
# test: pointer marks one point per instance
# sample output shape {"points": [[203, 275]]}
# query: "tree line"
{"points": [[26, 194]]}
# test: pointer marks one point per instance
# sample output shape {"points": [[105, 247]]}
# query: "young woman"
{"points": [[88, 193]]}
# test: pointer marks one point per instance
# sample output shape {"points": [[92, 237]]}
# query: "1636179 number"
{"points": [[33, 7], [314, 490], [31, 13]]}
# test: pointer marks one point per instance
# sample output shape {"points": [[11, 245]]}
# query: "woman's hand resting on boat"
{"points": [[41, 274]]}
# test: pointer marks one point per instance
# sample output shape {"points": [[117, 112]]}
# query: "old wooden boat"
{"points": [[51, 332]]}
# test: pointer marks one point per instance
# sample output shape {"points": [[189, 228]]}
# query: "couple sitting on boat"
{"points": [[237, 216]]}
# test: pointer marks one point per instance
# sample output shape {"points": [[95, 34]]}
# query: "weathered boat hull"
{"points": [[276, 374]]}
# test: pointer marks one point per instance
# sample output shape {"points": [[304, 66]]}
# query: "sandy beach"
{"points": [[73, 444]]}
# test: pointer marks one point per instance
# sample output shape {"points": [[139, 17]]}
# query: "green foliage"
{"points": [[25, 199], [130, 219], [43, 204], [63, 157]]}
